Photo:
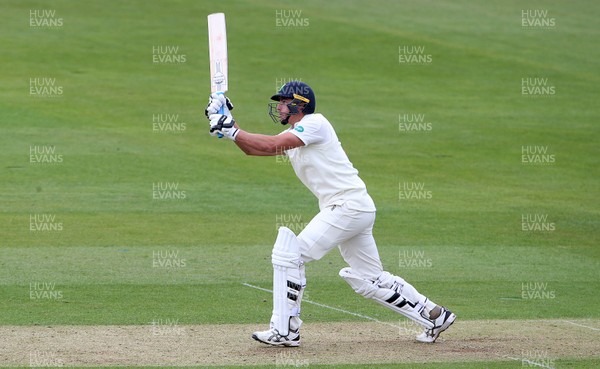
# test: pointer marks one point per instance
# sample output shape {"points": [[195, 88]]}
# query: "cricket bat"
{"points": [[217, 48]]}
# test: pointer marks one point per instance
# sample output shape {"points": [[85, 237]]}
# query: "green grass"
{"points": [[101, 192], [125, 285]]}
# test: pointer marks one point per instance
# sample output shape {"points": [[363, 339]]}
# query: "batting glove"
{"points": [[215, 101], [223, 124]]}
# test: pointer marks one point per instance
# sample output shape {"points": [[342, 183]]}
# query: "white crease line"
{"points": [[581, 325], [329, 307]]}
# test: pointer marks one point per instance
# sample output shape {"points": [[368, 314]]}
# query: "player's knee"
{"points": [[286, 250], [360, 285], [304, 255]]}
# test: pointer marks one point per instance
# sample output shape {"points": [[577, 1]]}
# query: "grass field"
{"points": [[118, 209]]}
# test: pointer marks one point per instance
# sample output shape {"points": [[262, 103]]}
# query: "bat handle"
{"points": [[221, 111]]}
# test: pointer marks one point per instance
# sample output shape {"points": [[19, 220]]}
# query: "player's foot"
{"points": [[440, 324], [272, 337]]}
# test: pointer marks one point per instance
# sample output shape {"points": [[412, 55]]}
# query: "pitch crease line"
{"points": [[327, 307], [581, 325]]}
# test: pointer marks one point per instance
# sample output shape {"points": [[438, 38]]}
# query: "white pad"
{"points": [[288, 281], [394, 293]]}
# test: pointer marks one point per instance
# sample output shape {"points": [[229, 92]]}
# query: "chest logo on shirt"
{"points": [[299, 129]]}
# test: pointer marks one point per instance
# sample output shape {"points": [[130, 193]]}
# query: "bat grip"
{"points": [[221, 111]]}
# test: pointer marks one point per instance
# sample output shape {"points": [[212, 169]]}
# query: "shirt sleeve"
{"points": [[312, 131]]}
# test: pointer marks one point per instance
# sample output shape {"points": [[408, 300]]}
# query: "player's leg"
{"points": [[361, 253], [366, 276], [328, 229], [288, 286], [325, 231], [395, 293]]}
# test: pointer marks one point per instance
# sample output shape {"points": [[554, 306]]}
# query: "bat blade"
{"points": [[217, 46]]}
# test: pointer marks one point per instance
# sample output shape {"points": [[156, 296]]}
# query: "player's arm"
{"points": [[265, 145], [253, 143], [249, 143]]}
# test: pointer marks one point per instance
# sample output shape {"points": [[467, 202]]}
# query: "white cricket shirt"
{"points": [[324, 168]]}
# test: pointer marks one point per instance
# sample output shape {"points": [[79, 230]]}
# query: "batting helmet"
{"points": [[299, 91], [301, 95]]}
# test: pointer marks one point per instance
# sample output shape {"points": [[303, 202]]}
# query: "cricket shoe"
{"points": [[272, 337], [440, 324]]}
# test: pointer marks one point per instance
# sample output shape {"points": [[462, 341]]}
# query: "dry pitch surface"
{"points": [[325, 343]]}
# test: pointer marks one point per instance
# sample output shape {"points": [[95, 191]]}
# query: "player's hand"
{"points": [[220, 123], [215, 101], [216, 125]]}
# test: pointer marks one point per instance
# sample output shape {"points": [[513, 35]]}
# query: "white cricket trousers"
{"points": [[351, 231]]}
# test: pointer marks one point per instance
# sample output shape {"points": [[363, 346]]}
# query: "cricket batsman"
{"points": [[345, 220]]}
